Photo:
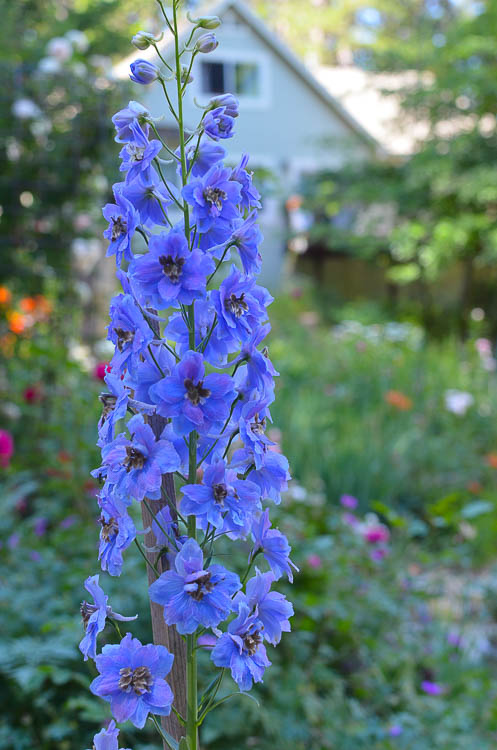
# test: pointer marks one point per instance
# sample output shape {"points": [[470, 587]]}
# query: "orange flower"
{"points": [[28, 304], [293, 203], [17, 321], [43, 305], [399, 400], [5, 295], [491, 459], [475, 487]]}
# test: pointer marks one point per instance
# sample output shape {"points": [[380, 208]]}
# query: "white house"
{"points": [[289, 122]]}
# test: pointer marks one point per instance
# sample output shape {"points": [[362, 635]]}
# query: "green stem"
{"points": [[191, 654]]}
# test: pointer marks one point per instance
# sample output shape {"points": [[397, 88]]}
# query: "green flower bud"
{"points": [[143, 39]]}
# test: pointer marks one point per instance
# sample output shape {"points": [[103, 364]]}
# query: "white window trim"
{"points": [[263, 100]]}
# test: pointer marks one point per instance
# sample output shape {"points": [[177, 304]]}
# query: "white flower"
{"points": [[25, 109], [48, 65], [78, 39], [458, 402], [59, 48]]}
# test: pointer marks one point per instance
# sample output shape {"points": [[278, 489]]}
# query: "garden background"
{"points": [[386, 403]]}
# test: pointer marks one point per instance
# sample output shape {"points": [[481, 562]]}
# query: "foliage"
{"points": [[366, 632]]}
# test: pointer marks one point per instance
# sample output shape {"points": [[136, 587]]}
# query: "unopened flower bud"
{"points": [[206, 43], [228, 101], [208, 22], [143, 39], [144, 72], [186, 76], [205, 22]]}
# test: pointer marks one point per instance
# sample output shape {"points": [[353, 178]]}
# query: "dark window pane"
{"points": [[213, 78], [247, 79]]}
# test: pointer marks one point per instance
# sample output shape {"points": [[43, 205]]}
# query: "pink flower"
{"points": [[349, 501], [376, 533], [431, 688], [350, 519], [483, 347], [6, 448], [314, 561], [32, 394], [100, 370]]}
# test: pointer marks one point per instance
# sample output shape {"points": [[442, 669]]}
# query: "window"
{"points": [[242, 79]]}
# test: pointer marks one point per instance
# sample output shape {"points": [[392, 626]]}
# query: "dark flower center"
{"points": [[109, 528], [252, 641], [204, 586], [118, 227], [258, 425], [123, 337], [215, 196], [220, 493], [196, 391], [236, 305], [108, 401], [135, 152], [172, 267], [139, 680], [86, 611], [134, 458]]}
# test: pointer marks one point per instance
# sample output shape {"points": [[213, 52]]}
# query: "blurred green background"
{"points": [[387, 394]]}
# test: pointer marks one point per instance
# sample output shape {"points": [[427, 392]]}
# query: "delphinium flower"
{"points": [[95, 615], [192, 596], [107, 739], [189, 392], [132, 680]]}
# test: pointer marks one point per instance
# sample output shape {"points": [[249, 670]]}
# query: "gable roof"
{"points": [[219, 8]]}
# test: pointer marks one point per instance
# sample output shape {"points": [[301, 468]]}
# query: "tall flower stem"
{"points": [[191, 653]]}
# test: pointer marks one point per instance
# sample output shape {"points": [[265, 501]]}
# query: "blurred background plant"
{"points": [[386, 405]]}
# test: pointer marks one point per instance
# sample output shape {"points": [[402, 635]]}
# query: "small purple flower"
{"points": [[106, 739], [216, 351], [163, 525], [135, 466], [150, 199], [241, 649], [170, 274], [144, 72], [252, 425], [349, 501], [272, 477], [206, 156], [250, 196], [94, 617], [431, 688], [247, 237], [132, 680], [123, 219], [192, 596], [193, 401], [259, 368], [228, 101], [67, 522], [129, 332], [40, 527], [213, 197], [395, 730], [206, 43], [116, 534], [114, 406], [147, 372], [273, 545], [137, 155], [218, 124], [271, 607], [123, 119], [241, 306], [222, 500]]}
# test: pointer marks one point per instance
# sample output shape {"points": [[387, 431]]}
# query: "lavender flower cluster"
{"points": [[188, 328]]}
